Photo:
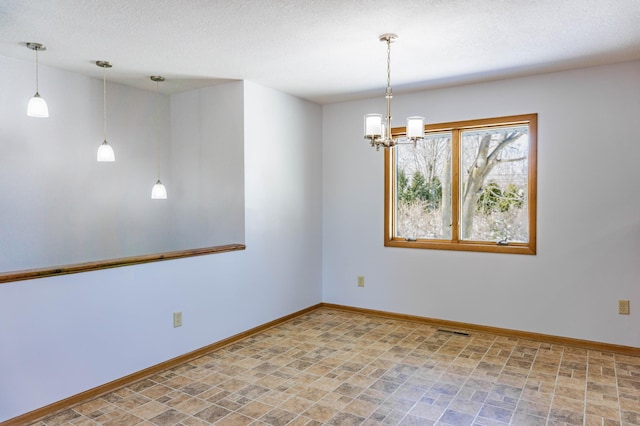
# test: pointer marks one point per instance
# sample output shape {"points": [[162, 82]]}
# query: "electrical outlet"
{"points": [[360, 281], [623, 307], [177, 319]]}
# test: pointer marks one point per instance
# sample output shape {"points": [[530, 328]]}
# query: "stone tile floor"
{"points": [[341, 368]]}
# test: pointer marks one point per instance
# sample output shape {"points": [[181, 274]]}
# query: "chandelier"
{"points": [[378, 131]]}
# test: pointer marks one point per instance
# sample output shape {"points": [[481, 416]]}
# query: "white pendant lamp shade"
{"points": [[105, 151], [159, 192], [37, 106]]}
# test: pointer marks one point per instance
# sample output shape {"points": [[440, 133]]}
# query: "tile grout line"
{"points": [[615, 371], [453, 397], [526, 380], [584, 396], [475, 417], [365, 366], [499, 374], [433, 331], [555, 384], [415, 403]]}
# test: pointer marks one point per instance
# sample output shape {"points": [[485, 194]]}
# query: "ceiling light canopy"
{"points": [[37, 106], [377, 130]]}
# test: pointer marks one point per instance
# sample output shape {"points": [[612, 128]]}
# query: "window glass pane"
{"points": [[493, 188], [423, 188]]}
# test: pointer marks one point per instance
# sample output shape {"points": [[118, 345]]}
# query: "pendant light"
{"points": [[105, 151], [37, 106], [158, 192]]}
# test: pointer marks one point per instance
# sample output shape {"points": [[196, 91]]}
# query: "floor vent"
{"points": [[459, 333]]}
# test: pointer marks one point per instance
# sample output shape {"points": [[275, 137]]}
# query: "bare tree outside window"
{"points": [[493, 194]]}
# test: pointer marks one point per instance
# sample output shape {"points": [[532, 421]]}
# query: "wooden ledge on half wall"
{"points": [[52, 271]]}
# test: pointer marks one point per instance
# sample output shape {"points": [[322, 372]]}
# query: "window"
{"points": [[468, 185]]}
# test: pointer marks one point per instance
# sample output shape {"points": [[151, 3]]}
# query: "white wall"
{"points": [[62, 335], [588, 212], [58, 204], [283, 203], [207, 166], [67, 208]]}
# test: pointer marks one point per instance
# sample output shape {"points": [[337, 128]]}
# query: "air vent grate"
{"points": [[459, 333]]}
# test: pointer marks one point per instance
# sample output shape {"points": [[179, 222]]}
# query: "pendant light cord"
{"points": [[37, 83], [158, 127], [104, 99]]}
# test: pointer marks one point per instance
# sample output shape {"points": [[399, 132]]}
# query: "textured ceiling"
{"points": [[321, 50]]}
